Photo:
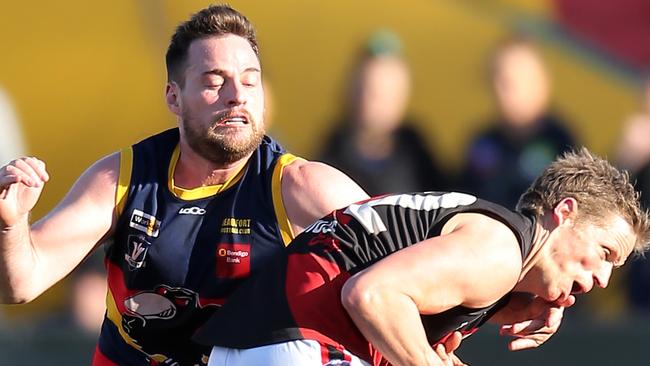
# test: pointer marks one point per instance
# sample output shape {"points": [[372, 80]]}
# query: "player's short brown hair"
{"points": [[215, 20], [600, 189]]}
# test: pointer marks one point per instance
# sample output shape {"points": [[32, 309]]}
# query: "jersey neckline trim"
{"points": [[199, 192]]}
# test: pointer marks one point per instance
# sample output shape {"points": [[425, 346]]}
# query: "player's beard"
{"points": [[221, 147]]}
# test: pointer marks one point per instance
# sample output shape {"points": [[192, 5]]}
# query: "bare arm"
{"points": [[473, 264], [33, 259], [311, 190]]}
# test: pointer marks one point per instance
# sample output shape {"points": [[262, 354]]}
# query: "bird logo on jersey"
{"points": [[172, 313]]}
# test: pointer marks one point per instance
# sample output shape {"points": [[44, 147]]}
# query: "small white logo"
{"points": [[144, 222], [137, 247], [191, 211], [322, 226]]}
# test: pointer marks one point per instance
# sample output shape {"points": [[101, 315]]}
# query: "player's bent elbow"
{"points": [[355, 298], [20, 293], [15, 298]]}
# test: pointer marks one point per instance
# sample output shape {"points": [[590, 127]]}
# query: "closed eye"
{"points": [[612, 258]]}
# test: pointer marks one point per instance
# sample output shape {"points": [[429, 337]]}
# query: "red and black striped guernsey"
{"points": [[298, 297]]}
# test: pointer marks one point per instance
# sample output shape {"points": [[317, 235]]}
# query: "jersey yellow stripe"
{"points": [[278, 204], [114, 315], [124, 180], [199, 192]]}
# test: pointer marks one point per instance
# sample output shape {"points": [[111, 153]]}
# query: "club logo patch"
{"points": [[233, 260], [144, 222], [137, 247], [232, 225]]}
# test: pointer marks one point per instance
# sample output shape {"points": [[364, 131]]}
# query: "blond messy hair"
{"points": [[600, 189]]}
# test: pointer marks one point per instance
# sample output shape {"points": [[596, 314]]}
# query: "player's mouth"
{"points": [[579, 288], [560, 298], [232, 119]]}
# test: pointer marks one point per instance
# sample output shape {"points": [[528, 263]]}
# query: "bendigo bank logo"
{"points": [[233, 260]]}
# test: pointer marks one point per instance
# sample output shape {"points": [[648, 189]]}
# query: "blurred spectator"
{"points": [[86, 301], [88, 294], [524, 137], [11, 140], [375, 143], [633, 154]]}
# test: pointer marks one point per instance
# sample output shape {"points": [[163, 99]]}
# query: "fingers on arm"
{"points": [[533, 333], [447, 356], [524, 343], [30, 171], [452, 343]]}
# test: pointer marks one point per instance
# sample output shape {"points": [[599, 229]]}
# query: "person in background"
{"points": [[85, 305], [11, 140], [633, 154], [88, 294], [524, 137], [633, 150], [375, 143], [12, 144]]}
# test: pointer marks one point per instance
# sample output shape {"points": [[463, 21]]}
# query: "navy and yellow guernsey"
{"points": [[177, 254]]}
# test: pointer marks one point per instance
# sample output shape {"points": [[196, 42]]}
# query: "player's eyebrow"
{"points": [[221, 72]]}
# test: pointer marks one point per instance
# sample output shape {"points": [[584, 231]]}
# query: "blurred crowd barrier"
{"points": [[580, 341]]}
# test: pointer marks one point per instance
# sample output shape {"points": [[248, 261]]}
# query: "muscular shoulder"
{"points": [[493, 261], [311, 190], [103, 174]]}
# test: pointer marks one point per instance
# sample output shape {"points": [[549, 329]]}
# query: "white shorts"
{"points": [[300, 352]]}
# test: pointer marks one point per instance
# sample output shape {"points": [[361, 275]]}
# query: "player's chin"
{"points": [[564, 300], [553, 294], [568, 302]]}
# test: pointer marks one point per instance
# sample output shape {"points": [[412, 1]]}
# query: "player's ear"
{"points": [[172, 97], [566, 211]]}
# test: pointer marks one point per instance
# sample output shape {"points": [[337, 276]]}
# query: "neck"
{"points": [[540, 238], [193, 170]]}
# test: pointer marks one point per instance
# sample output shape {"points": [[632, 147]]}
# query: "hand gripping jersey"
{"points": [[299, 296], [177, 254]]}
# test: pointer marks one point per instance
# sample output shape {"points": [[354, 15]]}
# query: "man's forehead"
{"points": [[222, 51]]}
